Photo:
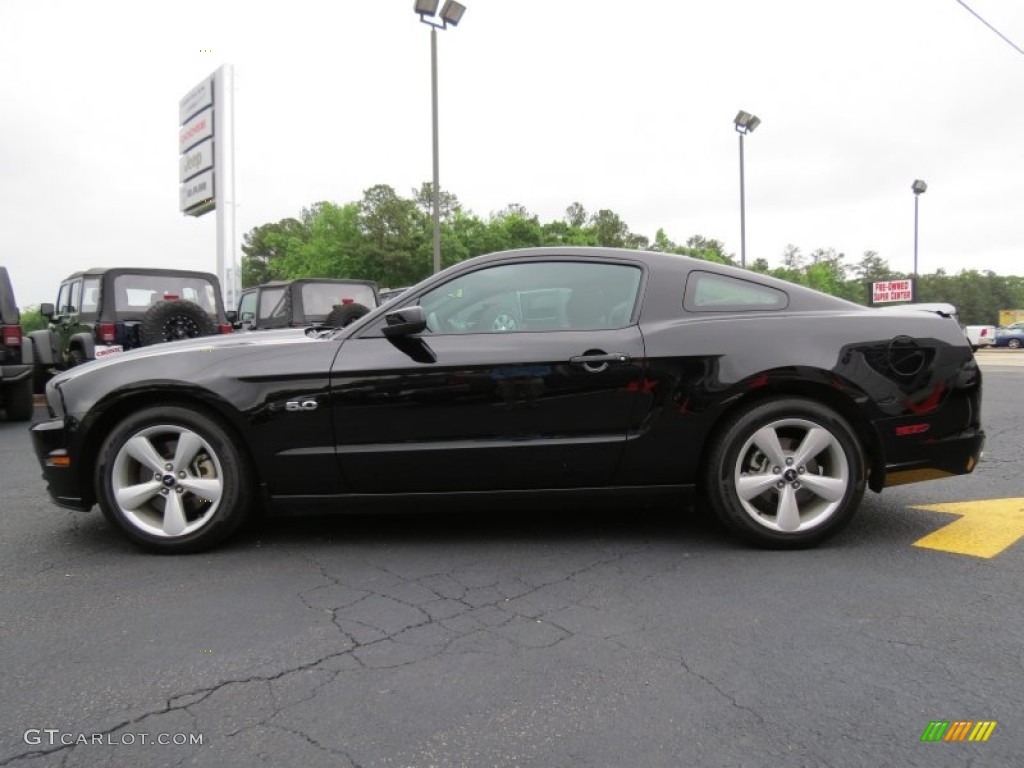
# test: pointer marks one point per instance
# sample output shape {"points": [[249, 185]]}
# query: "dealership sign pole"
{"points": [[206, 166]]}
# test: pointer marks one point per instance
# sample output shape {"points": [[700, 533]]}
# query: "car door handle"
{"points": [[598, 362], [612, 357]]}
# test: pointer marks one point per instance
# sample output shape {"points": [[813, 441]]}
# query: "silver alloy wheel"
{"points": [[167, 481], [504, 322], [792, 475]]}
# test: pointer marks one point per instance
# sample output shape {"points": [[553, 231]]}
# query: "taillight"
{"points": [[226, 328], [108, 332], [12, 335], [984, 331]]}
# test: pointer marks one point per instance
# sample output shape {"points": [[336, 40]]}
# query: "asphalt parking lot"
{"points": [[635, 637]]}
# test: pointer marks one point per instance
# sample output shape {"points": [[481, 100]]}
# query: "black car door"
{"points": [[526, 377]]}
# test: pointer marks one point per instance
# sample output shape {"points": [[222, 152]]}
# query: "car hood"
{"points": [[192, 347]]}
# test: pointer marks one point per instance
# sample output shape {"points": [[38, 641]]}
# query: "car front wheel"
{"points": [[173, 480], [786, 473]]}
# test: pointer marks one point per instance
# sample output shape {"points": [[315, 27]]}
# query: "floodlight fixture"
{"points": [[746, 122], [451, 12], [426, 7]]}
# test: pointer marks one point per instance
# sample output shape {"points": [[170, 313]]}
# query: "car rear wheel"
{"points": [[786, 473], [173, 480], [1013, 343]]}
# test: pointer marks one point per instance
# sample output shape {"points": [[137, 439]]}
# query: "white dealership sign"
{"points": [[892, 290], [198, 128], [198, 98], [206, 160], [195, 160], [197, 192]]}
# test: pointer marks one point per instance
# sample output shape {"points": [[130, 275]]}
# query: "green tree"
{"points": [[266, 249], [576, 215], [32, 319]]}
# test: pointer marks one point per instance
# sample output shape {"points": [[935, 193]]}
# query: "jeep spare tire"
{"points": [[174, 320], [345, 314]]}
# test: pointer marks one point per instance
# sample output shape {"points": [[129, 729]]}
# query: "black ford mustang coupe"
{"points": [[571, 372]]}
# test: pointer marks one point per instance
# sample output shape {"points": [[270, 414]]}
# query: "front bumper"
{"points": [[63, 480]]}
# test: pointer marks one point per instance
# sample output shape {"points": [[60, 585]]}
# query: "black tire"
{"points": [[1013, 343], [174, 320], [76, 357], [18, 400], [215, 479], [345, 314], [822, 479]]}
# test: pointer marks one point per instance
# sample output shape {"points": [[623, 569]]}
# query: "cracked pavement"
{"points": [[508, 638]]}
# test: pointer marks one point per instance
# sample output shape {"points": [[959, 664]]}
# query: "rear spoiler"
{"points": [[938, 307]]}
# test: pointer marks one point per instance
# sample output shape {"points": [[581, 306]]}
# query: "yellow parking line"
{"points": [[985, 528]]}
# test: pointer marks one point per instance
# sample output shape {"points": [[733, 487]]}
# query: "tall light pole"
{"points": [[918, 188], [451, 13], [745, 123]]}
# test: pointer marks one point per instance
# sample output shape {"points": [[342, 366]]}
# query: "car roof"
{"points": [[101, 271], [301, 280]]}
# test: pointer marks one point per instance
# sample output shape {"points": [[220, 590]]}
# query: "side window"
{"points": [[535, 296], [247, 306], [75, 300], [64, 299], [710, 292], [272, 303], [90, 295]]}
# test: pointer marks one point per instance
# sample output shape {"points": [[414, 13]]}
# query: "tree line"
{"points": [[388, 238]]}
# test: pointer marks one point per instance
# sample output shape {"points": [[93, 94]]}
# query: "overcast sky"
{"points": [[621, 105]]}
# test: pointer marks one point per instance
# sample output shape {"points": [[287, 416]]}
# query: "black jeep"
{"points": [[102, 312], [306, 301], [15, 371]]}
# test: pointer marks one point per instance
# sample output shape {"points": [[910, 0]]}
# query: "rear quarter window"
{"points": [[711, 292]]}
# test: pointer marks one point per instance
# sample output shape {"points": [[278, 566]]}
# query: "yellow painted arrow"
{"points": [[985, 528]]}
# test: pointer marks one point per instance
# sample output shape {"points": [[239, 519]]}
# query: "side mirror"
{"points": [[232, 316], [404, 322], [46, 310]]}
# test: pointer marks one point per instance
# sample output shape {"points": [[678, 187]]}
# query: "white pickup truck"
{"points": [[980, 336]]}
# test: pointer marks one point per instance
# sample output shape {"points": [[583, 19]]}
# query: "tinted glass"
{"points": [[710, 292], [535, 296]]}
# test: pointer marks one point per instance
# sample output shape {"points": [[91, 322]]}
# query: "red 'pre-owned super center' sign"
{"points": [[892, 290]]}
